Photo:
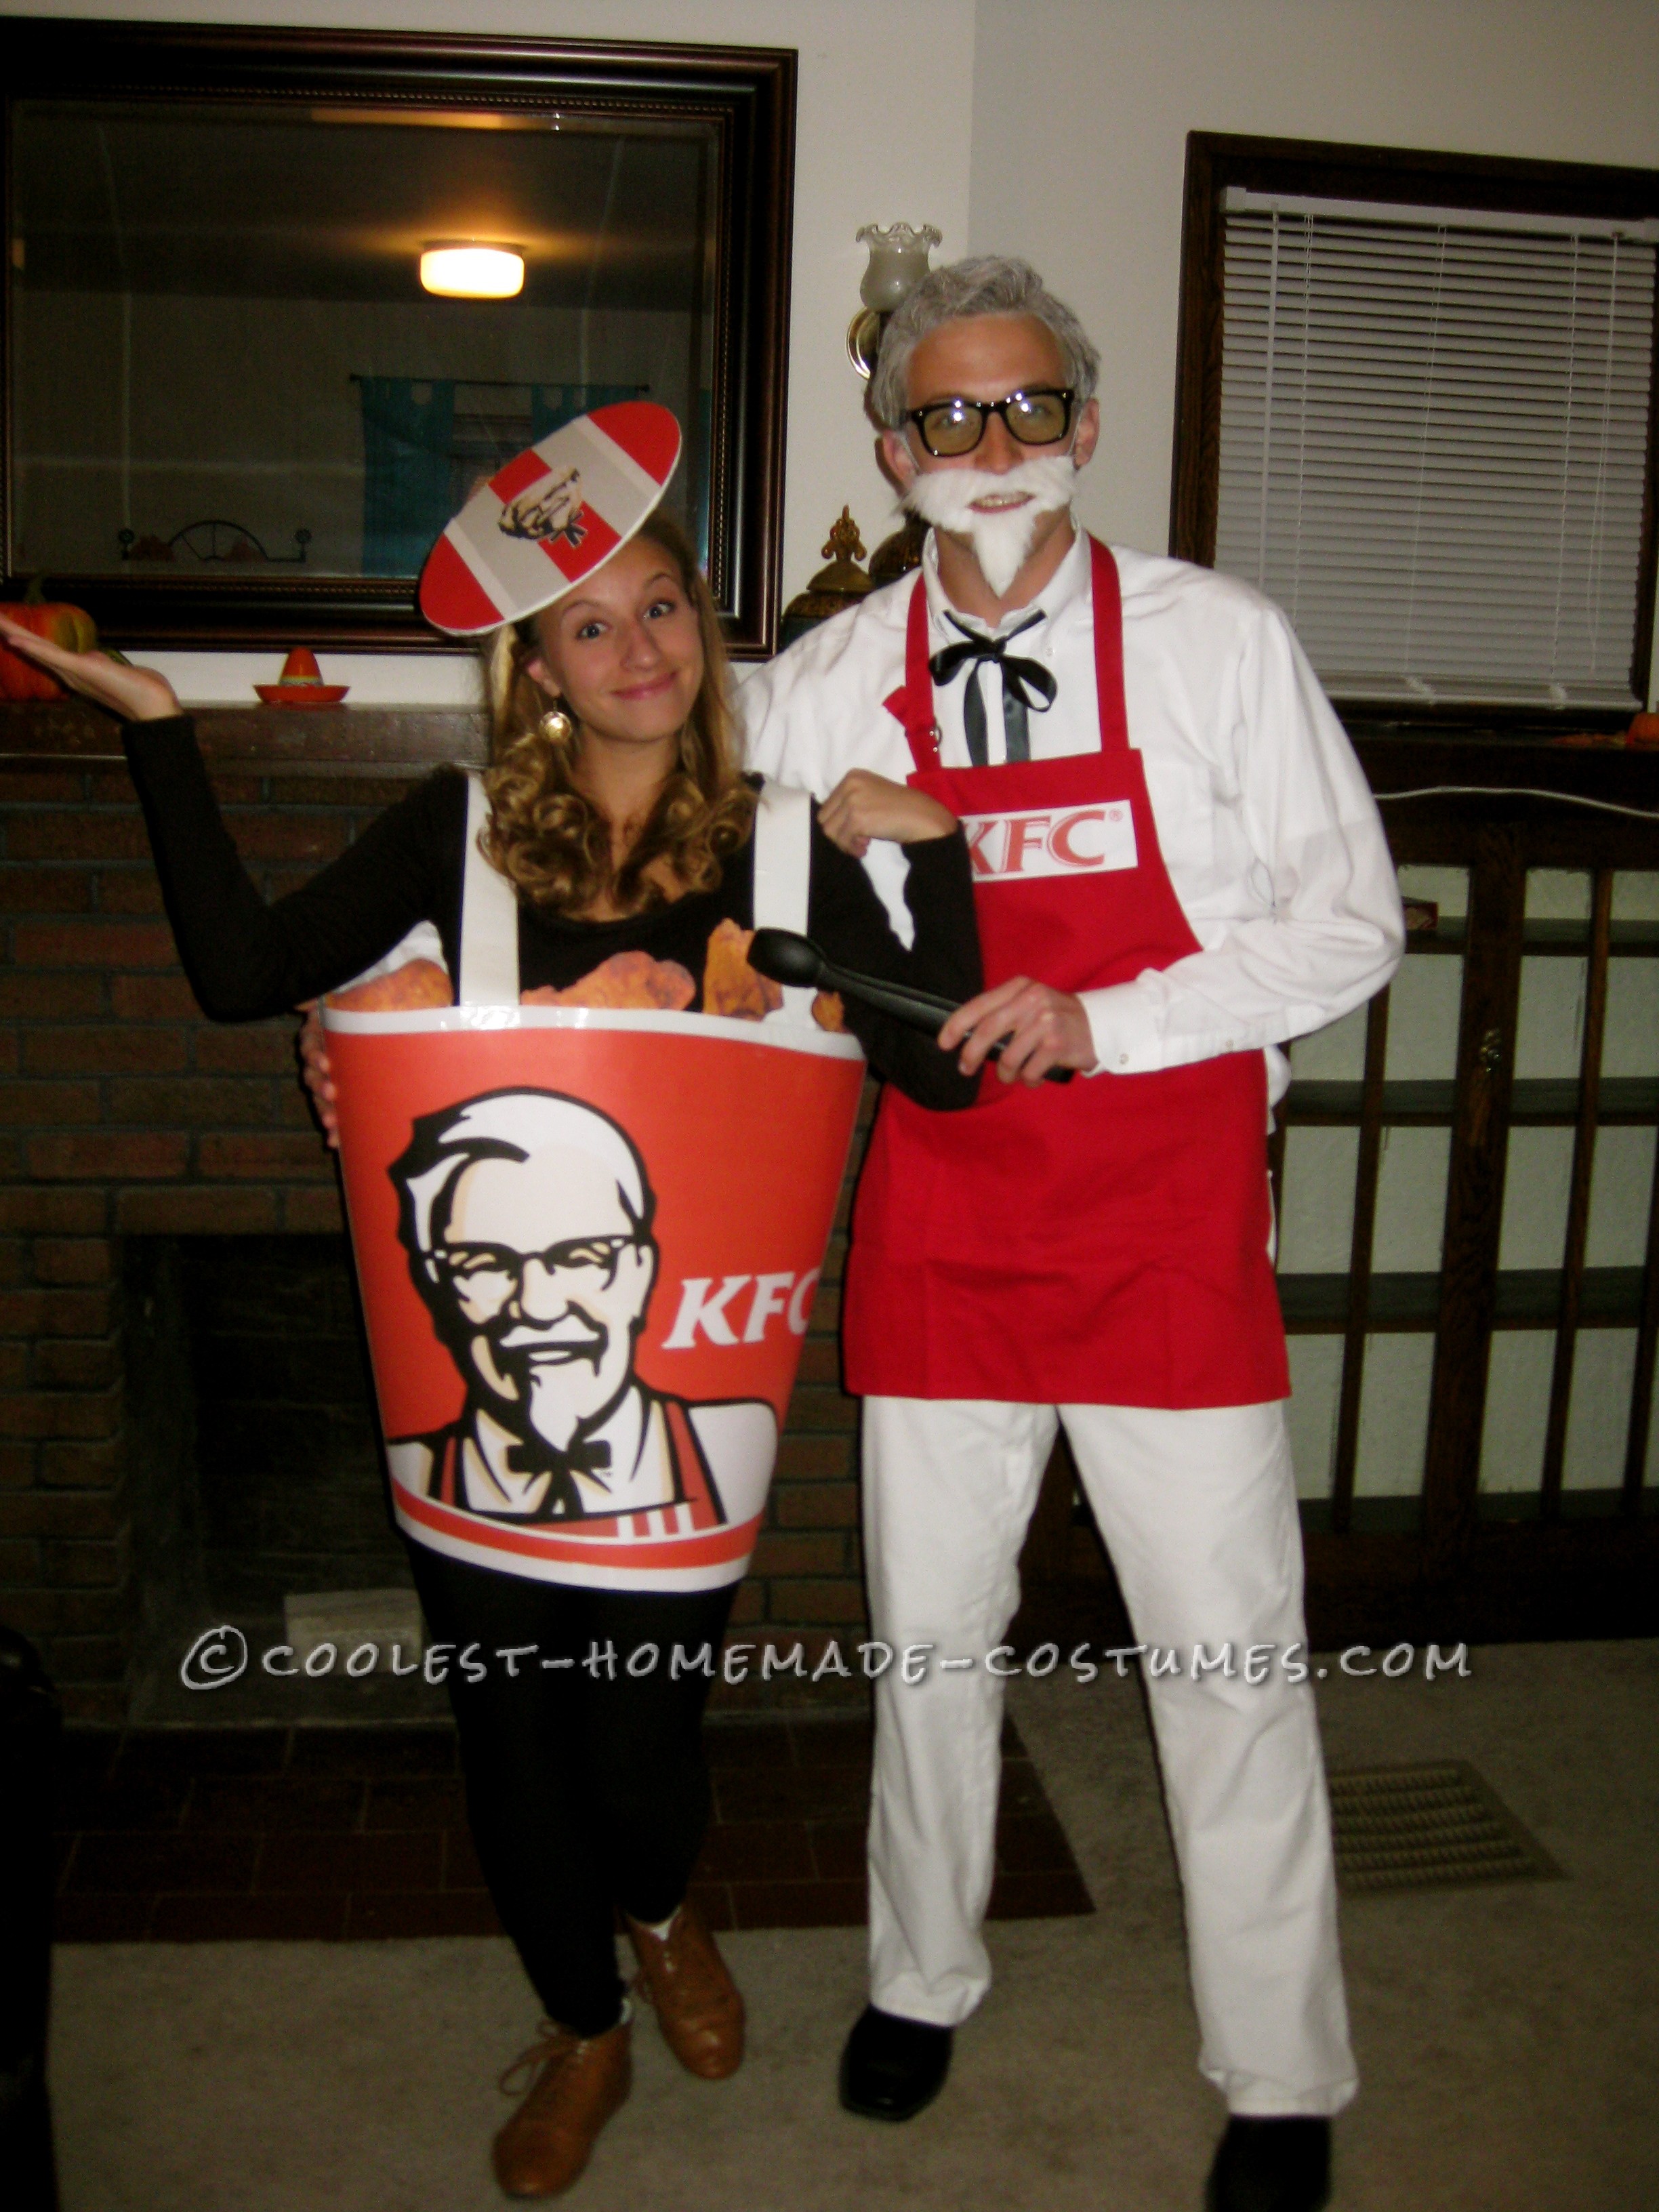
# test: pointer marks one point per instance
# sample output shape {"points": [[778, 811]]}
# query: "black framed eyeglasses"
{"points": [[487, 1269], [949, 427]]}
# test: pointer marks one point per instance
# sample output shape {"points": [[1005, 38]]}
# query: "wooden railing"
{"points": [[1459, 1565]]}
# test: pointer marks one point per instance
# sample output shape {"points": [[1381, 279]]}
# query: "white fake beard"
{"points": [[1000, 537]]}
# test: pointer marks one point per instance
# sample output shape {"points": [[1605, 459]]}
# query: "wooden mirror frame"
{"points": [[746, 93]]}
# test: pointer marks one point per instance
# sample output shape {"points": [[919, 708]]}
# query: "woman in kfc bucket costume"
{"points": [[613, 846]]}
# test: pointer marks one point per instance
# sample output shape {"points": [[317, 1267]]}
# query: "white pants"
{"points": [[1198, 1510]]}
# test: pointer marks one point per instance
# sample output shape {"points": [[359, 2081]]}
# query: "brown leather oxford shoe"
{"points": [[576, 2083], [697, 2003]]}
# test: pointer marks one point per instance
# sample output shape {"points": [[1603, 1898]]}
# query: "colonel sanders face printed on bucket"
{"points": [[527, 1216]]}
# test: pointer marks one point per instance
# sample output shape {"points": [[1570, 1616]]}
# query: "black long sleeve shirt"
{"points": [[245, 959]]}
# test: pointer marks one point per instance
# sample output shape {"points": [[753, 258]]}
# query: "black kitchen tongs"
{"points": [[784, 957]]}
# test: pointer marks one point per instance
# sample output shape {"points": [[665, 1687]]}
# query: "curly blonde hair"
{"points": [[551, 842]]}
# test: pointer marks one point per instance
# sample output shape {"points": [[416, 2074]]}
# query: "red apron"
{"points": [[1098, 1242]]}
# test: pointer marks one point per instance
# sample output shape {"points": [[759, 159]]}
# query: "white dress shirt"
{"points": [[1269, 830]]}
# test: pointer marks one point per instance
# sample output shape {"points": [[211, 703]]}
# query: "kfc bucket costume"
{"points": [[1181, 836], [580, 1437], [614, 1484]]}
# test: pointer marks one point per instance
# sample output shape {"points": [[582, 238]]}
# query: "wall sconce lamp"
{"points": [[466, 271], [898, 262]]}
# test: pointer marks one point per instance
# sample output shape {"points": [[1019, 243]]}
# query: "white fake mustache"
{"points": [[1000, 537]]}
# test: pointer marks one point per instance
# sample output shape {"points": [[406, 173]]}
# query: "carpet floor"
{"points": [[1508, 2034]]}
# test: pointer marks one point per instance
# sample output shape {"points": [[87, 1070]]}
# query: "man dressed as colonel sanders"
{"points": [[1178, 867]]}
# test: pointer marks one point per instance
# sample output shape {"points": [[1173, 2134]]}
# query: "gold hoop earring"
{"points": [[556, 726]]}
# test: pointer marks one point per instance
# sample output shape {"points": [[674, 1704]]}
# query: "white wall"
{"points": [[1081, 111], [1057, 128]]}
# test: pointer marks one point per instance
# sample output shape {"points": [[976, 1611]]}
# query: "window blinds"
{"points": [[1434, 428]]}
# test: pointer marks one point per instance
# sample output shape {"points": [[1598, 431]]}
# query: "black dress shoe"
{"points": [[892, 2067], [1271, 2166]]}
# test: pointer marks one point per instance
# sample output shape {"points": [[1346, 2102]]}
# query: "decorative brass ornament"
{"points": [[841, 585], [864, 340], [896, 555], [556, 726]]}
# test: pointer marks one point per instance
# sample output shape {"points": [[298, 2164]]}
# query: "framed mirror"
{"points": [[243, 392]]}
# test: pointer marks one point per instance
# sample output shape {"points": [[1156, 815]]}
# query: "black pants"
{"points": [[586, 1786]]}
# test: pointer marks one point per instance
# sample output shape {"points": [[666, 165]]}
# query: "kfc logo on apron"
{"points": [[1068, 841]]}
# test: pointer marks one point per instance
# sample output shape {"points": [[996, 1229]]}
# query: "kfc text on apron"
{"points": [[1104, 1242], [587, 1244]]}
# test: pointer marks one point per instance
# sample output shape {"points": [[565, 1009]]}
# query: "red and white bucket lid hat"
{"points": [[549, 518]]}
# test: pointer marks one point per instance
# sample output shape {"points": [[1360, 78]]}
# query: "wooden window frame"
{"points": [[1216, 160]]}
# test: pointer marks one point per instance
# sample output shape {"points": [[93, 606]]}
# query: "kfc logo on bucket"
{"points": [[703, 1307], [1047, 841]]}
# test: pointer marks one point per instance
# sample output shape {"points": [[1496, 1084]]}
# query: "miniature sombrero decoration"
{"points": [[300, 684], [549, 518]]}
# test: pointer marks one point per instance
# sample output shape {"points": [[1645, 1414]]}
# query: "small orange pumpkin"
{"points": [[69, 627]]}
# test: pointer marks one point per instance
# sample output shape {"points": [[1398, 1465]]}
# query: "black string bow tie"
{"points": [[562, 1499], [1026, 684]]}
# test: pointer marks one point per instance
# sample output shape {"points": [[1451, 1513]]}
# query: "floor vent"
{"points": [[1421, 1827]]}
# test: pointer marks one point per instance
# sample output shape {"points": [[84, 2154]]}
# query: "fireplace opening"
{"points": [[253, 1454]]}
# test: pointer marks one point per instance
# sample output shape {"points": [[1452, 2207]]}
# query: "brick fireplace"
{"points": [[128, 1119]]}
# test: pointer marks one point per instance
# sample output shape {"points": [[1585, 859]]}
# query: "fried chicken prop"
{"points": [[730, 985], [417, 985], [627, 981]]}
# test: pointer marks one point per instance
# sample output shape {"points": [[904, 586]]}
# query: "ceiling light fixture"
{"points": [[469, 271]]}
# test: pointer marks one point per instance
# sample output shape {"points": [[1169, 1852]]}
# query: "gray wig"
{"points": [[985, 284]]}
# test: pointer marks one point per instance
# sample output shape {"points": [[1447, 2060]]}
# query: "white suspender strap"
{"points": [[783, 875], [490, 916]]}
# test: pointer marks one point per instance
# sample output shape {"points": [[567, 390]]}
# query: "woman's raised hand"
{"points": [[139, 695], [317, 1073], [863, 806]]}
